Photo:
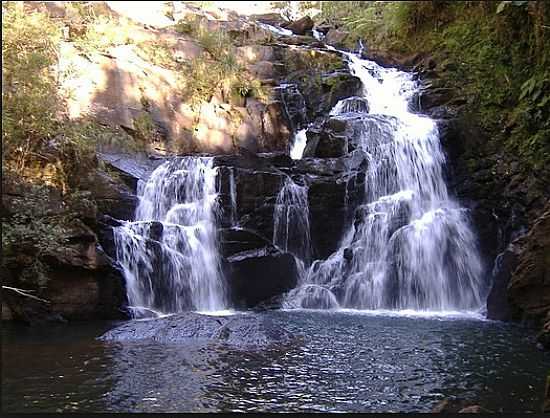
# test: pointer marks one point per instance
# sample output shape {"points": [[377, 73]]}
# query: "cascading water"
{"points": [[298, 144], [169, 254], [291, 223], [410, 245]]}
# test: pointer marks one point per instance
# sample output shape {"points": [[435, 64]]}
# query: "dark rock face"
{"points": [[294, 105], [236, 240], [498, 307], [259, 274], [327, 140], [300, 26], [529, 288], [113, 198], [240, 331]]}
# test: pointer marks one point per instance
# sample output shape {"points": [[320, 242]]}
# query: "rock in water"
{"points": [[242, 330], [301, 26]]}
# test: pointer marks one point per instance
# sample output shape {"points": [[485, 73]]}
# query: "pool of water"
{"points": [[343, 361]]}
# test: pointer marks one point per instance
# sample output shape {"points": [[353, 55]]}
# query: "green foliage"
{"points": [[495, 53], [29, 96], [144, 127], [35, 228]]}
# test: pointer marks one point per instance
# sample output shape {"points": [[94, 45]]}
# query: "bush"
{"points": [[29, 89]]}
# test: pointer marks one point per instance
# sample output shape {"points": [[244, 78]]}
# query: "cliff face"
{"points": [[131, 89], [149, 86]]}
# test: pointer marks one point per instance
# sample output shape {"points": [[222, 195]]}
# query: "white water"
{"points": [[411, 246], [169, 254], [291, 221], [298, 144], [275, 29]]}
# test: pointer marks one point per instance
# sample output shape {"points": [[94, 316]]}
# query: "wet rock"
{"points": [[529, 288], [474, 409], [300, 26], [236, 240], [246, 331], [336, 37], [325, 143], [430, 98], [354, 105], [328, 211], [257, 275], [335, 87], [113, 197], [543, 337], [498, 307], [294, 105], [453, 405], [546, 405]]}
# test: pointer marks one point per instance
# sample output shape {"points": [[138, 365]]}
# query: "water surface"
{"points": [[343, 361]]}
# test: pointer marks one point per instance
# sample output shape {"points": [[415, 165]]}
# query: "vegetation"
{"points": [[217, 70], [497, 54]]}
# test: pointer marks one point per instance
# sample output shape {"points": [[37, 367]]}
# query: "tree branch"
{"points": [[24, 293]]}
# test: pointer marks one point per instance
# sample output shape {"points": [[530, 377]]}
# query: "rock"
{"points": [[113, 198], [301, 26], [354, 105], [329, 210], [529, 288], [332, 87], [131, 168], [236, 240], [430, 98], [543, 336], [294, 106], [274, 19], [258, 275], [251, 54], [546, 405], [450, 405], [498, 307], [336, 38], [474, 409], [325, 143], [240, 331]]}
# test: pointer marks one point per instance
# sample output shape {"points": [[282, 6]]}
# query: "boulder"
{"points": [[336, 38], [112, 197], [236, 240], [301, 26], [328, 140], [239, 331], [260, 274], [331, 87]]}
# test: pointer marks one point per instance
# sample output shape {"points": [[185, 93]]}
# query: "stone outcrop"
{"points": [[529, 287], [239, 331], [259, 274], [300, 26]]}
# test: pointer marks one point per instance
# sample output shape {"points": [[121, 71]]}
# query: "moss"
{"points": [[498, 61]]}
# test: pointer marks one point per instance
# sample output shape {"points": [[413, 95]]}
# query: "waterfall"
{"points": [[169, 255], [233, 197], [410, 245], [298, 144], [291, 223]]}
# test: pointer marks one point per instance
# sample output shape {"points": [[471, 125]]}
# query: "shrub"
{"points": [[29, 90]]}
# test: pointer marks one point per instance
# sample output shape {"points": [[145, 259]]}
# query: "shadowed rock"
{"points": [[243, 330]]}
